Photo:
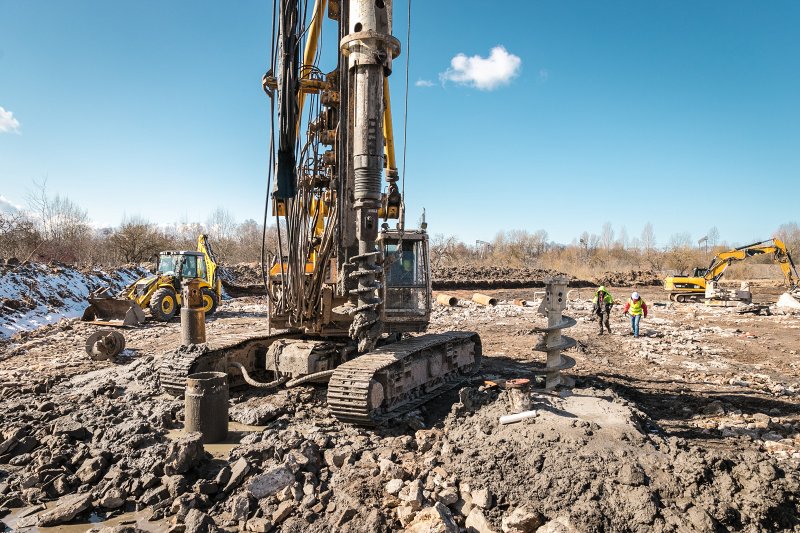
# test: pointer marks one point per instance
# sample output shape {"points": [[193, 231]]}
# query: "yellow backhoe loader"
{"points": [[702, 284], [160, 292]]}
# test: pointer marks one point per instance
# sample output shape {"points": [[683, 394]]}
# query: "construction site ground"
{"points": [[694, 426]]}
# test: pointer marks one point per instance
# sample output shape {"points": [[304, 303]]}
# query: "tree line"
{"points": [[54, 228]]}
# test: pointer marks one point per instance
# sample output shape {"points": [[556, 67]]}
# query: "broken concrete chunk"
{"points": [[448, 496], [65, 510], [521, 520], [258, 525], [255, 415], [113, 499], [436, 519], [92, 469], [476, 522], [66, 425], [184, 454], [482, 498], [198, 522], [394, 486], [412, 495], [270, 482], [282, 513], [237, 472]]}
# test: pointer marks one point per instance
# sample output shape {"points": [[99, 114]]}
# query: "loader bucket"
{"points": [[113, 312]]}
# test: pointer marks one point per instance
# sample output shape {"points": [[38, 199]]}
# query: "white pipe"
{"points": [[510, 419]]}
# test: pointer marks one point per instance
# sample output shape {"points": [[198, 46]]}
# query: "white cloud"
{"points": [[6, 207], [7, 121], [484, 73], [424, 83]]}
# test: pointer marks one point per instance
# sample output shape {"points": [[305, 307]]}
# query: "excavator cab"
{"points": [[407, 288]]}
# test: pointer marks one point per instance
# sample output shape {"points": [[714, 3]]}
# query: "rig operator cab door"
{"points": [[407, 287]]}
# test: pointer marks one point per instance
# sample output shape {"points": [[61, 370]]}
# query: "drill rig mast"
{"points": [[344, 287]]}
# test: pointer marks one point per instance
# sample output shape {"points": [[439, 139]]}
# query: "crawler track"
{"points": [[214, 356], [399, 377]]}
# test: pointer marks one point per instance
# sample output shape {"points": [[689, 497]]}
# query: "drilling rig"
{"points": [[349, 297]]}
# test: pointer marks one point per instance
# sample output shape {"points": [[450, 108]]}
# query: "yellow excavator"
{"points": [[701, 285], [160, 292]]}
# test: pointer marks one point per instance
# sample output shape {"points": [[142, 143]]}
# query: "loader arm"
{"points": [[204, 247]]}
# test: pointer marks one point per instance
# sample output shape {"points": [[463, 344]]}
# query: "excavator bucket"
{"points": [[113, 312]]}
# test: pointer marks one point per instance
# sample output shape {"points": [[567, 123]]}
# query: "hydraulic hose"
{"points": [[318, 377], [257, 384]]}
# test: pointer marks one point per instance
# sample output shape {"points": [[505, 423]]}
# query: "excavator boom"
{"points": [[694, 288]]}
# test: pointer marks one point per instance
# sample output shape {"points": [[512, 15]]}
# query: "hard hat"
{"points": [[602, 288], [635, 295]]}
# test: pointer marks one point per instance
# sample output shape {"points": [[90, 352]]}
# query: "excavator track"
{"points": [[214, 356], [395, 379]]}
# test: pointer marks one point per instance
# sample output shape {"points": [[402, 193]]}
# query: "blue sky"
{"points": [[684, 114]]}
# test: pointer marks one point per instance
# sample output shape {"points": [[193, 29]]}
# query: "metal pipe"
{"points": [[483, 299], [447, 299], [206, 405], [516, 417], [193, 317]]}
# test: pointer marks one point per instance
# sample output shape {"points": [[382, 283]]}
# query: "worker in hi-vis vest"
{"points": [[637, 309], [602, 307]]}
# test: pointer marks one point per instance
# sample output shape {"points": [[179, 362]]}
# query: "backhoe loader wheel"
{"points": [[163, 304], [210, 301]]}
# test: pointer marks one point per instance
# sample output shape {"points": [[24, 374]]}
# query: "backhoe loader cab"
{"points": [[408, 282]]}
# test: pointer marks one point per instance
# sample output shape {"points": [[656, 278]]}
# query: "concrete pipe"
{"points": [[206, 405], [447, 299], [520, 302], [484, 299]]}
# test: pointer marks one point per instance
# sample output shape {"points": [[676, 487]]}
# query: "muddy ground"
{"points": [[694, 426]]}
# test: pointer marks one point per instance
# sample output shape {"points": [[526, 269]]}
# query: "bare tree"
{"points": [[648, 238], [623, 238], [789, 233], [607, 236], [137, 240], [64, 225], [19, 237], [680, 240], [713, 237], [221, 227]]}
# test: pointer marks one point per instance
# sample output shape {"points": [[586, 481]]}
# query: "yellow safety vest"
{"points": [[635, 306]]}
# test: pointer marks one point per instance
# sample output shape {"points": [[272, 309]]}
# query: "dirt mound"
{"points": [[477, 277], [630, 278], [620, 477], [242, 279], [35, 294]]}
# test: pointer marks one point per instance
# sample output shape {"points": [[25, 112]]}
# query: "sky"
{"points": [[555, 115]]}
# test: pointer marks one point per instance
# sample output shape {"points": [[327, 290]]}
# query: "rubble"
{"points": [[628, 449]]}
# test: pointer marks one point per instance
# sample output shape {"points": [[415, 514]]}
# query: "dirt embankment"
{"points": [[480, 277]]}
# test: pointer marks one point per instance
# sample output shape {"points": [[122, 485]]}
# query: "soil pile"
{"points": [[630, 278], [477, 277]]}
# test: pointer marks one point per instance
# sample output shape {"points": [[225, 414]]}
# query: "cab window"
{"points": [[201, 269], [189, 269]]}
